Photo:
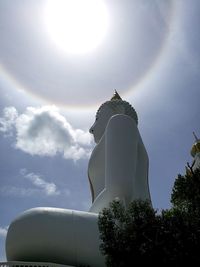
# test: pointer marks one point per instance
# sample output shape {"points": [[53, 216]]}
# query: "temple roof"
{"points": [[196, 146]]}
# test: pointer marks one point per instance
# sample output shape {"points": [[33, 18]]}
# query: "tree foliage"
{"points": [[126, 230], [138, 235], [186, 191]]}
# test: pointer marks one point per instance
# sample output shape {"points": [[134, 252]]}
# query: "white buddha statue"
{"points": [[118, 168]]}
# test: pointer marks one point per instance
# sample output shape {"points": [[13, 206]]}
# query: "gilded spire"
{"points": [[116, 96], [196, 146]]}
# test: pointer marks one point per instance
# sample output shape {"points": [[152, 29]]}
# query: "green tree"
{"points": [[138, 235], [185, 199], [128, 235], [186, 191]]}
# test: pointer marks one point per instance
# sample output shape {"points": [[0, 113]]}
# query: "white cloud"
{"points": [[44, 131], [39, 182], [3, 231], [7, 122], [41, 187]]}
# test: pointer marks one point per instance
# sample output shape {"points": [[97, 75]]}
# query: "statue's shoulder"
{"points": [[121, 121], [121, 127]]}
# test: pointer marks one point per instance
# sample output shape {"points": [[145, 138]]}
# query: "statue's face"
{"points": [[99, 126]]}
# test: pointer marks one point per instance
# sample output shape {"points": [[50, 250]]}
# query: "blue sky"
{"points": [[49, 97]]}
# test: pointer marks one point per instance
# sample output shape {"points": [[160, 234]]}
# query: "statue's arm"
{"points": [[121, 145]]}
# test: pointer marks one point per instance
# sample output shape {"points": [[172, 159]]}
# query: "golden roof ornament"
{"points": [[196, 147], [116, 96]]}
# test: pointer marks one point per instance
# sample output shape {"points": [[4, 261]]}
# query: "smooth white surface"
{"points": [[118, 168], [55, 235]]}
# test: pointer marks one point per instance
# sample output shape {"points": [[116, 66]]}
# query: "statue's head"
{"points": [[108, 109]]}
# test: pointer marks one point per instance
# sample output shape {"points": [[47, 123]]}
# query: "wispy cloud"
{"points": [[38, 181], [3, 231], [44, 131], [39, 187]]}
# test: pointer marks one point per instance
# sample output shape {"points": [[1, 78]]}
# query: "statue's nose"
{"points": [[91, 130]]}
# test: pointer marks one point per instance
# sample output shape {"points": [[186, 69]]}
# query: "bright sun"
{"points": [[76, 26]]}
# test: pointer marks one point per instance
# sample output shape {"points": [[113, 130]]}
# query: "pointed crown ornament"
{"points": [[116, 96]]}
